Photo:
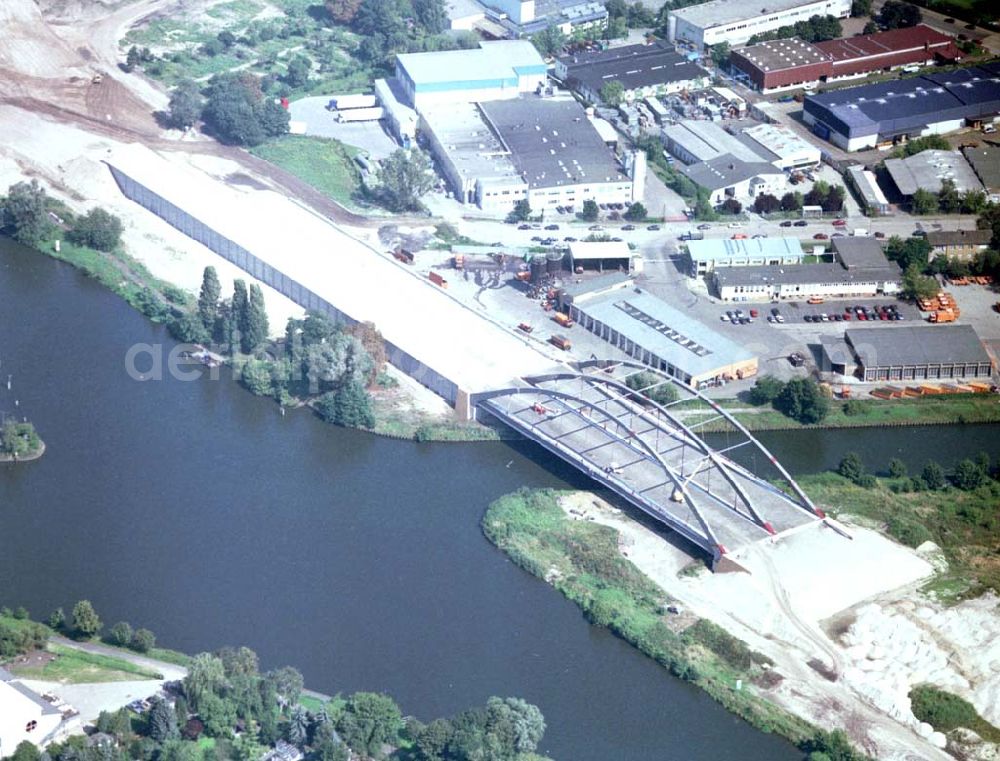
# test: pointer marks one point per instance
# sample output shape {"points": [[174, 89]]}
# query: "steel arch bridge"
{"points": [[596, 416]]}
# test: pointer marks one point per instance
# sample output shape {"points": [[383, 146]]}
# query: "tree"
{"points": [[590, 210], [549, 41], [188, 328], [522, 720], [115, 723], [897, 468], [917, 285], [834, 199], [616, 28], [369, 721], [923, 201], [635, 212], [162, 721], [933, 476], [238, 112], [132, 59], [239, 661], [432, 740], [349, 405], [26, 751], [184, 108], [86, 624], [432, 15], [969, 475], [895, 15], [639, 16], [143, 640], [913, 251], [205, 676], [297, 73], [861, 7], [342, 11], [802, 400], [766, 203], [766, 390], [57, 619], [612, 92], [521, 210], [254, 330], [791, 201], [97, 229], [121, 634], [373, 344], [731, 206], [298, 726], [851, 467], [973, 202], [720, 54], [404, 176], [208, 298], [240, 314], [25, 217], [949, 199], [652, 386]]}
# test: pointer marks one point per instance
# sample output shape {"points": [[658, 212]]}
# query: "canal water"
{"points": [[198, 511]]}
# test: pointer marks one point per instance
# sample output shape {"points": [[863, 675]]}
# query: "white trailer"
{"points": [[361, 114], [341, 102], [657, 108]]}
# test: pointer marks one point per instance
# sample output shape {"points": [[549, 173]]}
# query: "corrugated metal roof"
{"points": [[917, 345], [723, 250]]}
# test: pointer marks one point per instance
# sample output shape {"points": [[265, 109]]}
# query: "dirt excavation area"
{"points": [[843, 621]]}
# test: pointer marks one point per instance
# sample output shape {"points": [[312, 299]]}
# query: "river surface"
{"points": [[198, 511]]}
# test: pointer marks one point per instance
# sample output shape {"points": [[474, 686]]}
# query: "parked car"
{"points": [[569, 239], [839, 222], [821, 236], [524, 227], [595, 227], [786, 223], [800, 223], [878, 234], [628, 227], [704, 226], [653, 228], [552, 227]]}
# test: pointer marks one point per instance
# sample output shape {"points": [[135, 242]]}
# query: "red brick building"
{"points": [[785, 64]]}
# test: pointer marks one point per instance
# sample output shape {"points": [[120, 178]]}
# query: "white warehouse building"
{"points": [[736, 21]]}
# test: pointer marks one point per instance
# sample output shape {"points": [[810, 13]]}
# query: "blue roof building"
{"points": [[857, 118]]}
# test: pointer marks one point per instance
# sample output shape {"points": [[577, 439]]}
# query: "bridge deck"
{"points": [[646, 455]]}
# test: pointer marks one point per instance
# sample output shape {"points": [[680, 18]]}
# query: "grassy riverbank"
{"points": [[947, 409], [582, 560], [72, 666]]}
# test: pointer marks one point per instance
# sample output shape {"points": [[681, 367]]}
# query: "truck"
{"points": [[692, 235], [357, 100], [942, 315], [404, 255], [437, 279], [561, 342], [372, 114], [563, 319]]}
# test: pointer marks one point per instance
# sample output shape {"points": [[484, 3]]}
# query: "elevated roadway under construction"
{"points": [[585, 413]]}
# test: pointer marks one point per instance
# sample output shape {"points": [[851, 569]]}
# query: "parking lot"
{"points": [[368, 136]]}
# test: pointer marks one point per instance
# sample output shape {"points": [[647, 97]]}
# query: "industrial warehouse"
{"points": [[741, 164], [921, 352], [642, 70], [881, 114], [860, 270], [929, 169], [545, 150], [778, 65], [706, 255], [736, 21], [653, 332]]}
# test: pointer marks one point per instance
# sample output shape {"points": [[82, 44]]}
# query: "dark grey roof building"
{"points": [[985, 161], [551, 142], [641, 70], [919, 352], [861, 117]]}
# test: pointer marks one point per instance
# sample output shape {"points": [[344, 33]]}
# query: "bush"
{"points": [[908, 531], [941, 709], [120, 634], [766, 390], [143, 641], [933, 476], [664, 393], [854, 407], [732, 650], [968, 475], [97, 229], [897, 468], [867, 481], [851, 467]]}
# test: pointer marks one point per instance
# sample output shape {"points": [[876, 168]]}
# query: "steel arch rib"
{"points": [[706, 450], [806, 502], [563, 395]]}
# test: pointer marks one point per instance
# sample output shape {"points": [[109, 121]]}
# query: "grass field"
{"points": [[76, 667], [325, 164]]}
